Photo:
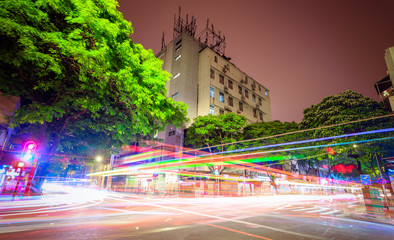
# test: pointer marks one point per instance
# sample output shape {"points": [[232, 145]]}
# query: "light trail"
{"points": [[237, 231], [305, 130], [219, 159], [221, 218]]}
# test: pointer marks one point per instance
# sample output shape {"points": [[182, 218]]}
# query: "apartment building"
{"points": [[385, 87], [205, 79]]}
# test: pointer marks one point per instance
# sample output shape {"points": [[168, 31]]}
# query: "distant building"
{"points": [[205, 79], [8, 104], [385, 87]]}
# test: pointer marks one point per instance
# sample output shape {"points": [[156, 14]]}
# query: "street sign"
{"points": [[381, 181], [365, 180]]}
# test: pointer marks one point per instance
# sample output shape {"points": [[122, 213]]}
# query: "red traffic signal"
{"points": [[29, 151]]}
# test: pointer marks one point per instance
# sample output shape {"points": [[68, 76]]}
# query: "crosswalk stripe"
{"points": [[282, 207], [335, 211], [304, 209], [319, 210]]}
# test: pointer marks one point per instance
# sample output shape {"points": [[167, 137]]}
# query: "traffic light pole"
{"points": [[32, 174], [17, 183]]}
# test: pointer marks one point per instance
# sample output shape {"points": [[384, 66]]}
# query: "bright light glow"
{"points": [[99, 158], [27, 157]]}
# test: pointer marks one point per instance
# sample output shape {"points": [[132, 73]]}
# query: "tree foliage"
{"points": [[83, 82], [210, 130], [264, 129], [80, 76], [341, 109]]}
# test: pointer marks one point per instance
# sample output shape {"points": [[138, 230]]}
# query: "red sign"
{"points": [[381, 181]]}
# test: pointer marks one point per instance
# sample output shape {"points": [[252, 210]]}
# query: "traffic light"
{"points": [[29, 151]]}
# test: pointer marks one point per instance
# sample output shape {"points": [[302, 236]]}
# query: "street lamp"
{"points": [[99, 158]]}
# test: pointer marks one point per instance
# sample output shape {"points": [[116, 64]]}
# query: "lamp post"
{"points": [[20, 167]]}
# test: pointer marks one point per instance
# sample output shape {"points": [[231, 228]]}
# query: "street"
{"points": [[92, 214]]}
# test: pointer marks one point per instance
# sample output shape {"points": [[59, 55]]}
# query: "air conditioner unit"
{"points": [[227, 108]]}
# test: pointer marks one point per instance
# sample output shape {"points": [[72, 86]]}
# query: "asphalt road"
{"points": [[96, 215]]}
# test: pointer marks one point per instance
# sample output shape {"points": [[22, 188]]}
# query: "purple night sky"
{"points": [[301, 50]]}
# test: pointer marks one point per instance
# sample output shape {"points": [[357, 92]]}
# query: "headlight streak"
{"points": [[199, 161]]}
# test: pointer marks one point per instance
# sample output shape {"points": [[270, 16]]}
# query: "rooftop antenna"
{"points": [[163, 44]]}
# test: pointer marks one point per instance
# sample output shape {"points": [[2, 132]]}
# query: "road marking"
{"points": [[335, 211], [304, 209], [319, 210], [285, 206], [54, 210], [233, 230], [222, 218]]}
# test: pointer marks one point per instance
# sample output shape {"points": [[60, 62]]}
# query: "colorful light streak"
{"points": [[237, 161]]}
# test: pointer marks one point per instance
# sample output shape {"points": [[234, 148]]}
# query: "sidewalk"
{"points": [[360, 213]]}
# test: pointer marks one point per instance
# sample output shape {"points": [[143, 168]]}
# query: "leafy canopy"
{"points": [[210, 130], [80, 76]]}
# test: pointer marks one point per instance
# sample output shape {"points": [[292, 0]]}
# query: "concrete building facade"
{"points": [[385, 87], [205, 79]]}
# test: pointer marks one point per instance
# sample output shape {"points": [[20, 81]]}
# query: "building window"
{"points": [[212, 74], [253, 98], [180, 40], [266, 92], [240, 90], [230, 101], [246, 80], [221, 96], [211, 110], [254, 113], [261, 116], [259, 88], [178, 57], [241, 106], [175, 95], [176, 75], [221, 111], [216, 59], [212, 91], [260, 102], [171, 133], [178, 48], [230, 84], [221, 79], [246, 93]]}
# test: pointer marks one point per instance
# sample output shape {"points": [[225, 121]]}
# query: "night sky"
{"points": [[301, 50]]}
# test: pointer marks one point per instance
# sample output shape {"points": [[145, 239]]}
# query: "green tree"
{"points": [[212, 130], [266, 129], [81, 79], [341, 109], [267, 133]]}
